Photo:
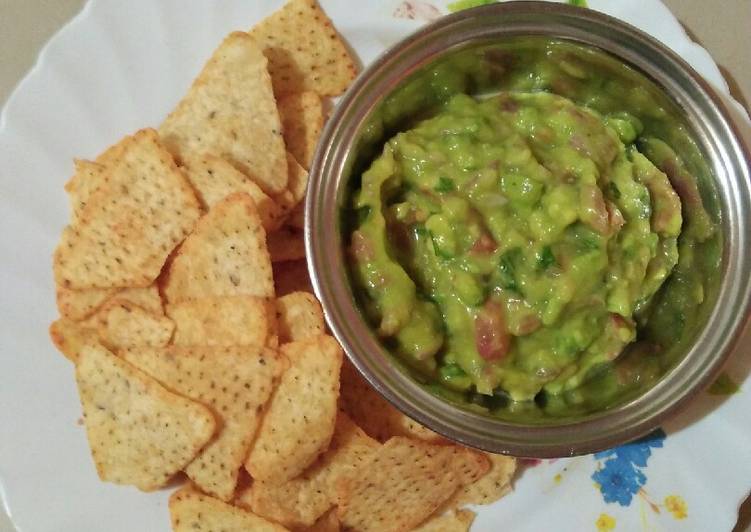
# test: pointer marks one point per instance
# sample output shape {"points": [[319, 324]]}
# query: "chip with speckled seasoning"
{"points": [[404, 482], [230, 112], [304, 50], [190, 510], [139, 432], [226, 255], [129, 226], [301, 416], [235, 382]]}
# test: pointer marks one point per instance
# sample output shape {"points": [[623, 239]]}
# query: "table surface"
{"points": [[25, 25]]}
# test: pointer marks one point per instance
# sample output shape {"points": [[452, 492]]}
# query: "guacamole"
{"points": [[511, 242]]}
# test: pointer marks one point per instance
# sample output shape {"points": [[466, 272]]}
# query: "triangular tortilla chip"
{"points": [[129, 226], [302, 121], [80, 304], [192, 511], [235, 382], [230, 112], [305, 53], [226, 255], [139, 433], [214, 179], [301, 501], [239, 320], [300, 419], [299, 317], [403, 483]]}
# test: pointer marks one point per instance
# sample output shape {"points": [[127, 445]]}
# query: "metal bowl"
{"points": [[358, 127]]}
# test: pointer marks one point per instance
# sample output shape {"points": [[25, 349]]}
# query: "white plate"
{"points": [[119, 66]]}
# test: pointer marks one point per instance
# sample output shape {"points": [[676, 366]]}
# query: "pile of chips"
{"points": [[198, 348]]}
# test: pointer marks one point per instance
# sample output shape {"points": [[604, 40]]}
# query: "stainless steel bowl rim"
{"points": [[716, 132]]}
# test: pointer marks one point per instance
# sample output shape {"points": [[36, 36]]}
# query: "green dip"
{"points": [[513, 245]]}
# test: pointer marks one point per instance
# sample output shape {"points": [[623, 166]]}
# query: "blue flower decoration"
{"points": [[620, 477]]}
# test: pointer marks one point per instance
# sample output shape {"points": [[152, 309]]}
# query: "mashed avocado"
{"points": [[511, 243]]}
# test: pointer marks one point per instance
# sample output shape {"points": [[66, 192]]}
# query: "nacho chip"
{"points": [[302, 122], [230, 112], [490, 487], [401, 485], [214, 179], [131, 225], [375, 414], [300, 419], [299, 317], [70, 336], [304, 51], [89, 177], [296, 187], [113, 153], [292, 276], [225, 255], [458, 521], [191, 511], [139, 433], [286, 244], [125, 325], [303, 500], [80, 304], [239, 320], [235, 382]]}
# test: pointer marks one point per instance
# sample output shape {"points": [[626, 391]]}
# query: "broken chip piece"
{"points": [[139, 432]]}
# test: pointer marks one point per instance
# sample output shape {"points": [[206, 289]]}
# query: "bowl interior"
{"points": [[402, 89]]}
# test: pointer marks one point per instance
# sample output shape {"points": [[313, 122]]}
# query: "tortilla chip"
{"points": [[191, 511], [225, 255], [125, 325], [131, 225], [89, 177], [302, 122], [69, 337], [296, 187], [139, 433], [328, 522], [458, 521], [304, 51], [230, 112], [239, 320], [401, 485], [299, 317], [80, 304], [303, 500], [300, 420], [214, 179], [235, 382], [111, 154], [490, 487], [286, 244], [292, 276], [375, 414]]}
